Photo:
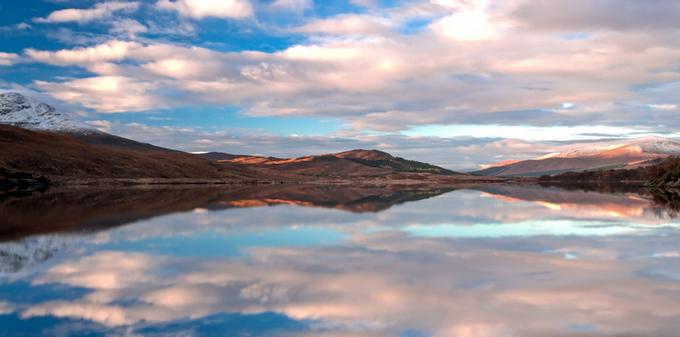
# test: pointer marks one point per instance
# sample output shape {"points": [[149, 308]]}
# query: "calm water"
{"points": [[499, 261]]}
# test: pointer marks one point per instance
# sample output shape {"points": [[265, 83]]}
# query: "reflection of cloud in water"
{"points": [[383, 284]]}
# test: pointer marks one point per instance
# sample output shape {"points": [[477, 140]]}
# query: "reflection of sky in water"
{"points": [[462, 264], [229, 243]]}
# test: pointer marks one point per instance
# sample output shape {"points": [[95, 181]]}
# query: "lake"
{"points": [[482, 261]]}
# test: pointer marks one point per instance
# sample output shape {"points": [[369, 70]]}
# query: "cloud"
{"points": [[8, 59], [99, 11], [396, 69], [199, 9], [348, 24], [470, 22], [110, 51], [365, 3], [584, 15], [106, 93], [101, 125], [296, 6], [5, 308], [127, 28], [107, 315]]}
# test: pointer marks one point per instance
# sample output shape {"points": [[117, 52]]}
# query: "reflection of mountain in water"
{"points": [[627, 203], [20, 254], [93, 209], [666, 202], [357, 200]]}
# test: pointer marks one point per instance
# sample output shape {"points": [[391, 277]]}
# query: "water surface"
{"points": [[493, 261]]}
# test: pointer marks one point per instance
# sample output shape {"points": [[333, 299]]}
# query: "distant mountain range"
{"points": [[627, 154], [41, 140]]}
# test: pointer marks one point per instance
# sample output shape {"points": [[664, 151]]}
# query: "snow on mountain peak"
{"points": [[659, 145], [651, 145], [19, 110]]}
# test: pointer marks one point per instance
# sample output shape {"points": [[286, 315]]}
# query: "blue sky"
{"points": [[424, 79]]}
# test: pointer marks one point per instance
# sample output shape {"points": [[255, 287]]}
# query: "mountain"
{"points": [[610, 155], [19, 110], [344, 164]]}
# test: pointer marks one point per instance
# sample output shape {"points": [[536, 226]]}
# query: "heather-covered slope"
{"points": [[60, 156]]}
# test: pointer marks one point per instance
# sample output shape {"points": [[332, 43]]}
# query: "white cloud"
{"points": [[8, 59], [101, 125], [5, 308], [109, 51], [348, 24], [128, 28], [23, 26], [467, 26], [199, 9], [595, 15], [100, 10], [365, 3], [469, 63], [297, 6], [108, 315], [106, 94]]}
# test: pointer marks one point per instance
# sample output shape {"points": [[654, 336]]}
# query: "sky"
{"points": [[458, 83]]}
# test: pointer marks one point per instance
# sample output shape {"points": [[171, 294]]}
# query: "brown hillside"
{"points": [[63, 156]]}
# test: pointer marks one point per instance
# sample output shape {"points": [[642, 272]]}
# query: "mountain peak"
{"points": [[364, 154], [19, 110]]}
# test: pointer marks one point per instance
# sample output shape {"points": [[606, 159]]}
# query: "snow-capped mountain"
{"points": [[654, 145], [607, 155], [19, 110], [657, 145]]}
